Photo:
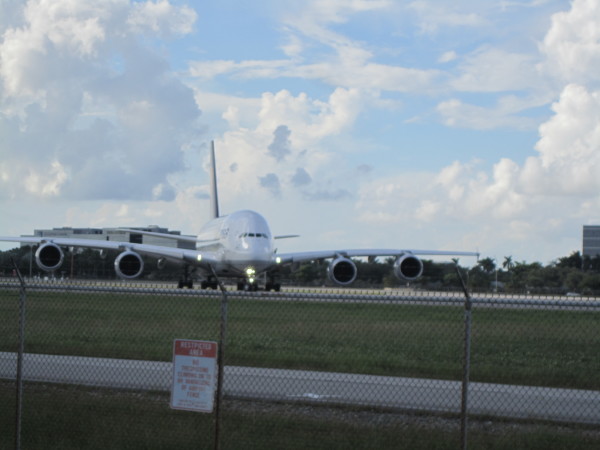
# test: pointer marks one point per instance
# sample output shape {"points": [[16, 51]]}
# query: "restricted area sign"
{"points": [[194, 375]]}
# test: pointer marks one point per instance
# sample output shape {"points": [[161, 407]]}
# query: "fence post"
{"points": [[20, 356], [220, 365], [466, 364]]}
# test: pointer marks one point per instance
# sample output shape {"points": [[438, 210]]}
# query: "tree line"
{"points": [[574, 273]]}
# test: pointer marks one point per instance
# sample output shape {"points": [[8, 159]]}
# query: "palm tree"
{"points": [[488, 265], [508, 263]]}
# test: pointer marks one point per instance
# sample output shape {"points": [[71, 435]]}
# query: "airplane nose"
{"points": [[261, 255]]}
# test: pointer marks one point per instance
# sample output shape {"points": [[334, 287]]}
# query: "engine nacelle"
{"points": [[129, 265], [408, 267], [49, 257], [342, 271]]}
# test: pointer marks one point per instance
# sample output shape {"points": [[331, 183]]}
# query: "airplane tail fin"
{"points": [[214, 199]]}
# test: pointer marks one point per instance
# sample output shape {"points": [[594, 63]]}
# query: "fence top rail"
{"points": [[332, 295], [295, 294], [533, 301]]}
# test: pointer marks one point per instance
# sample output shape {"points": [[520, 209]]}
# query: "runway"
{"points": [[322, 295], [408, 394]]}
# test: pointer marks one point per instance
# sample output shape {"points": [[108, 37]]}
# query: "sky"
{"points": [[421, 124]]}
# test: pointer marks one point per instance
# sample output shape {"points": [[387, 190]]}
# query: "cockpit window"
{"points": [[258, 235]]}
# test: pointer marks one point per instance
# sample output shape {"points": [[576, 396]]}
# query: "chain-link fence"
{"points": [[302, 369]]}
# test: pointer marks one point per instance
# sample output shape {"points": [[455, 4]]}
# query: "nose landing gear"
{"points": [[245, 285]]}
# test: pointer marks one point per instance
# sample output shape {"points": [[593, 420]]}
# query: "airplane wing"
{"points": [[343, 271], [192, 257], [326, 254]]}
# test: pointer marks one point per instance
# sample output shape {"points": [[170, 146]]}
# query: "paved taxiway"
{"points": [[570, 405], [329, 295]]}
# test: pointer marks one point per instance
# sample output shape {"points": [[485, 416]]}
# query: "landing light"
{"points": [[250, 271], [199, 258], [278, 260]]}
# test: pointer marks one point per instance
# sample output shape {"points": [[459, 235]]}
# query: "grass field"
{"points": [[67, 417], [517, 346]]}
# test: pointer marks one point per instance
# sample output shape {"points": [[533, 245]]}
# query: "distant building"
{"points": [[115, 234], [591, 240]]}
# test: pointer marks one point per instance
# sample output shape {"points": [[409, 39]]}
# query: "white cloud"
{"points": [[505, 114], [303, 123], [294, 47], [341, 61], [206, 70], [566, 170], [312, 17], [307, 118], [174, 214], [569, 147], [87, 109], [490, 69], [162, 17], [427, 210], [348, 68], [448, 56], [46, 184], [435, 15], [572, 45]]}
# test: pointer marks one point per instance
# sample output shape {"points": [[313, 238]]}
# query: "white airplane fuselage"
{"points": [[241, 242]]}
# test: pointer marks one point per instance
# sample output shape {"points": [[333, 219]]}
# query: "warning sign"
{"points": [[194, 375]]}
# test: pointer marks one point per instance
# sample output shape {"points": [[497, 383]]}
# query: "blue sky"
{"points": [[367, 123]]}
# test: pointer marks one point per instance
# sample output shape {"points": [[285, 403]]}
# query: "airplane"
{"points": [[239, 245]]}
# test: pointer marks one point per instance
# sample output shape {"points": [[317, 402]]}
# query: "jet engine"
{"points": [[129, 265], [342, 271], [49, 257], [408, 267]]}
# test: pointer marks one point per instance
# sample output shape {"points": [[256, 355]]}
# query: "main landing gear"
{"points": [[186, 279], [185, 284], [272, 286], [211, 283]]}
